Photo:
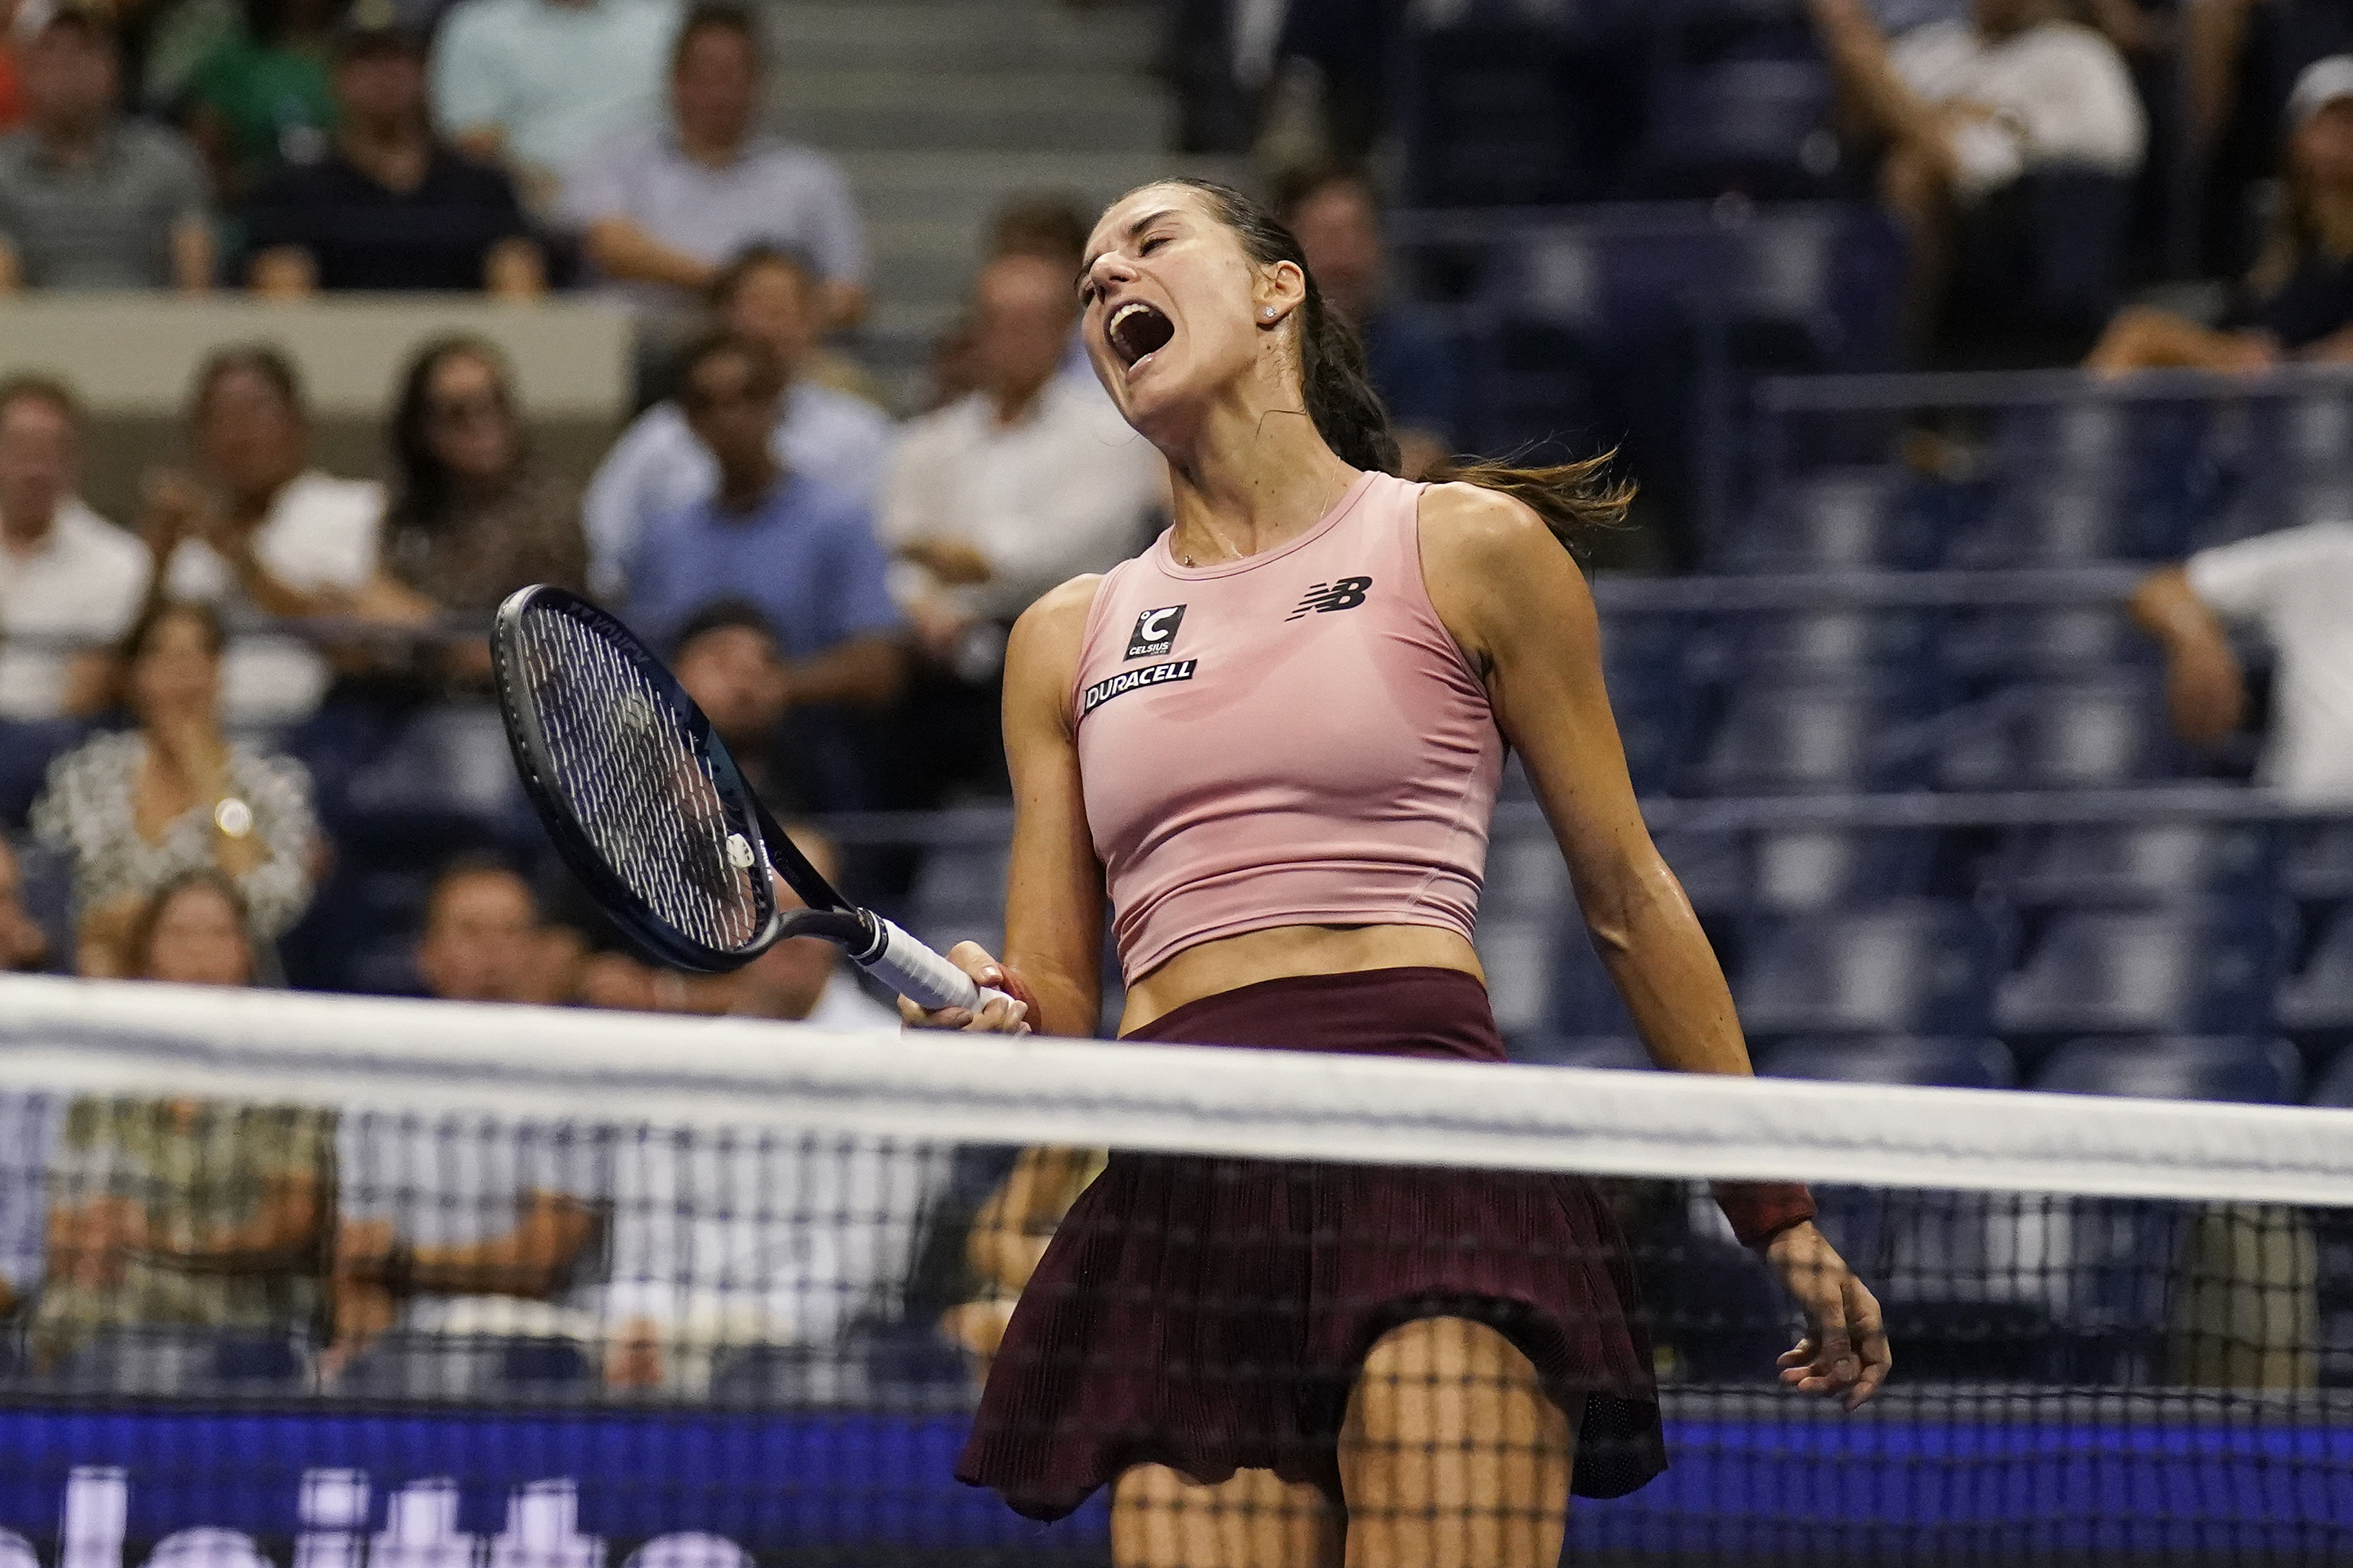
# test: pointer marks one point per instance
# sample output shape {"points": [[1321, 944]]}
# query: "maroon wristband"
{"points": [[1760, 1210]]}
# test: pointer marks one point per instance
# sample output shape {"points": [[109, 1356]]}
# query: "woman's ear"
{"points": [[1283, 288]]}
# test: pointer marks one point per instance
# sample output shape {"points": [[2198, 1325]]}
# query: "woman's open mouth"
{"points": [[1137, 332]]}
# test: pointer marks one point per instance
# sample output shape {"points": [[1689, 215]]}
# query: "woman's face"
{"points": [[178, 669], [199, 941], [251, 440], [2323, 145], [469, 423], [1173, 304]]}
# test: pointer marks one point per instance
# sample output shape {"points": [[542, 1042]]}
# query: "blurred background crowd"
{"points": [[849, 433], [1974, 358]]}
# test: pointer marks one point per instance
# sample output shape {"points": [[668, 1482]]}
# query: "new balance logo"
{"points": [[1325, 598]]}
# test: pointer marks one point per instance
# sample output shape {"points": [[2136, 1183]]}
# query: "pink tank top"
{"points": [[1293, 739]]}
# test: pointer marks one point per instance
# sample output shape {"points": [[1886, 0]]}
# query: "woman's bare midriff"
{"points": [[1281, 952]]}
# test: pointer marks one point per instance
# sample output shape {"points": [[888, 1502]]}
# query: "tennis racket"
{"points": [[652, 814]]}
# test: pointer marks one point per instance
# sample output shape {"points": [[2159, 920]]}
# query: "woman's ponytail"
{"points": [[1573, 499]]}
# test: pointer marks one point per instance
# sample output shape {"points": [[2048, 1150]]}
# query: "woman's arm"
{"points": [[2205, 689], [1523, 614], [1054, 891], [1518, 606]]}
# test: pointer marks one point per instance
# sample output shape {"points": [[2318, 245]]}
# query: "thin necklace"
{"points": [[1322, 511]]}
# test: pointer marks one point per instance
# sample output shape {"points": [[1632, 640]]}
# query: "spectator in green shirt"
{"points": [[263, 100]]}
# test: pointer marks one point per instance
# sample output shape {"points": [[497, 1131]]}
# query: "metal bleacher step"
{"points": [[940, 109], [962, 35], [1013, 109]]}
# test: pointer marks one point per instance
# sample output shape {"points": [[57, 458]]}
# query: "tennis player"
{"points": [[1275, 736]]}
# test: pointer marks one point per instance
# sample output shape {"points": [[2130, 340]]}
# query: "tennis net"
{"points": [[365, 1284]]}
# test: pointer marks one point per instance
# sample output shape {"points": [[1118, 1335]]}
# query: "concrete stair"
{"points": [[939, 109]]}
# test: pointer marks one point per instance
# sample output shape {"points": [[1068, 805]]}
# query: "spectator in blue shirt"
{"points": [[657, 467], [539, 84], [802, 553], [1337, 220]]}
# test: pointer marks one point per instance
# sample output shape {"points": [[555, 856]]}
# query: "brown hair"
{"points": [[139, 952], [724, 283], [155, 612], [767, 377], [246, 359], [725, 16], [1573, 499], [48, 389]]}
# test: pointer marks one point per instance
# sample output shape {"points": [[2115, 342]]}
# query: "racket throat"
{"points": [[857, 931]]}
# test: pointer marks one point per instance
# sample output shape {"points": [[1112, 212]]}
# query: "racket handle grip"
{"points": [[921, 975]]}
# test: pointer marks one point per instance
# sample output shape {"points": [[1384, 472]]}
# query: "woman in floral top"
{"points": [[142, 808]]}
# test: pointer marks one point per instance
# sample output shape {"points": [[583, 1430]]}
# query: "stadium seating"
{"points": [[1936, 1064], [2335, 1088], [2197, 970], [1912, 967], [2315, 1005], [2249, 1070], [1811, 736], [2134, 864], [2099, 732]]}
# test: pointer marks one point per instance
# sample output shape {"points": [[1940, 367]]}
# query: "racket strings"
{"points": [[646, 796]]}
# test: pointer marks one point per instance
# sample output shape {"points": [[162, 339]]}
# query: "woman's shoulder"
{"points": [[1473, 520]]}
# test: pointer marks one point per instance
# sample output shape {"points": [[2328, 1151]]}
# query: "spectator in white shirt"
{"points": [[2297, 587], [658, 467], [1028, 481], [663, 211], [1964, 109], [1014, 487], [263, 535], [70, 582]]}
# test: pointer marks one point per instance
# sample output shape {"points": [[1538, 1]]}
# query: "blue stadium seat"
{"points": [[171, 1361], [1799, 868], [443, 780], [1757, 126], [1808, 737], [1917, 967], [1987, 648], [2203, 970], [409, 1364], [1500, 106], [2137, 864], [1580, 999], [2246, 1070], [1848, 517], [1642, 660], [2315, 1005], [1616, 1052], [2087, 734], [1935, 1064], [2335, 1090], [28, 747], [1831, 643], [2317, 865]]}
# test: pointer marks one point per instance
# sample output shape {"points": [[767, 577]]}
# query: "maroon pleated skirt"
{"points": [[1211, 1314]]}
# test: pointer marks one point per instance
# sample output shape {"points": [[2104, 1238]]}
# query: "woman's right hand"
{"points": [[1009, 1014]]}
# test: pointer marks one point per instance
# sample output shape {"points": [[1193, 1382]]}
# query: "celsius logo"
{"points": [[420, 1530], [1155, 632], [1325, 598]]}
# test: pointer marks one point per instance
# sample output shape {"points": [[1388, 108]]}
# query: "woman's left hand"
{"points": [[1844, 1353]]}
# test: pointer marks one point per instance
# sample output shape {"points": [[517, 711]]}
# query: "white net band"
{"points": [[276, 1047]]}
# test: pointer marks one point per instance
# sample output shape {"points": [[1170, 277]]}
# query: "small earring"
{"points": [[1268, 312]]}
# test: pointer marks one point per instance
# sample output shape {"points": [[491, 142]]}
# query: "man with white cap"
{"points": [[2297, 301]]}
